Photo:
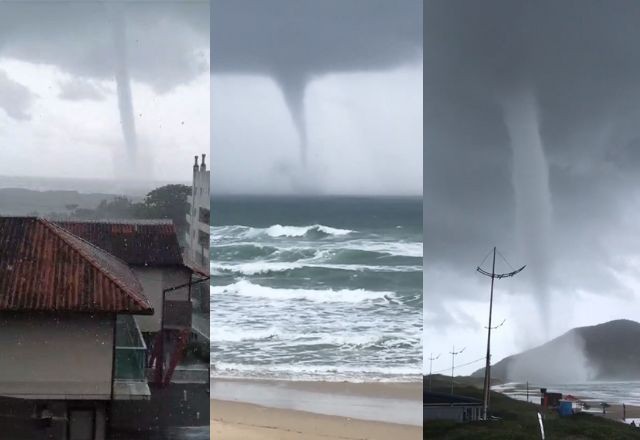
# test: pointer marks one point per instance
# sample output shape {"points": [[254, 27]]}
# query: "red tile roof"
{"points": [[136, 242], [46, 268]]}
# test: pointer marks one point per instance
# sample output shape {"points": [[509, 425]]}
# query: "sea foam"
{"points": [[248, 289]]}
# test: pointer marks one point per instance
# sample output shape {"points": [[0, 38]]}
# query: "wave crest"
{"points": [[269, 267], [277, 231], [248, 289]]}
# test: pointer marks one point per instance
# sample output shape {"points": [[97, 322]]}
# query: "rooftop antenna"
{"points": [[454, 353], [487, 369], [431, 359]]}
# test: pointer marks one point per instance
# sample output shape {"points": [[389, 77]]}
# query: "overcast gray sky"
{"points": [[506, 74], [317, 96], [59, 110]]}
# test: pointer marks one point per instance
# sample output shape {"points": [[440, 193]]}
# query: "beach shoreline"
{"points": [[307, 410], [390, 389]]}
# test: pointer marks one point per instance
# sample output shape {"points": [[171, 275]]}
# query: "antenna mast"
{"points": [[431, 359], [454, 353], [487, 369]]}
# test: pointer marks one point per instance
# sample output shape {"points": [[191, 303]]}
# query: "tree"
{"points": [[170, 202], [165, 202], [117, 207]]}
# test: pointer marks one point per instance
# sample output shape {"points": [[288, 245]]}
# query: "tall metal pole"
{"points": [[453, 356], [431, 359], [454, 353], [487, 368]]}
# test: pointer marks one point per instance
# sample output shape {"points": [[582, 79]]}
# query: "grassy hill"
{"points": [[606, 351], [518, 420]]}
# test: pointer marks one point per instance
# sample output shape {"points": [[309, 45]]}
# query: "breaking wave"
{"points": [[267, 267], [275, 231], [247, 289]]}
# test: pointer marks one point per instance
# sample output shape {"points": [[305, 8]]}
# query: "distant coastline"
{"points": [[83, 185]]}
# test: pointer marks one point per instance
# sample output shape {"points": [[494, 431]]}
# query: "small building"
{"points": [[70, 345], [197, 239], [549, 399], [444, 406], [152, 251]]}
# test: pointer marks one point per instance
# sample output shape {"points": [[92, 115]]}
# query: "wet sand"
{"points": [[399, 403], [399, 390], [244, 421], [289, 410]]}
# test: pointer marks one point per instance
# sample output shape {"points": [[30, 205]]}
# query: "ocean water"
{"points": [[316, 288]]}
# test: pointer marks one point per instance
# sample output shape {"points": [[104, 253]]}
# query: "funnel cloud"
{"points": [[531, 111], [86, 88], [123, 84], [531, 193]]}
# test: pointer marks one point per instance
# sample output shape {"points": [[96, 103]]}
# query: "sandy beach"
{"points": [[243, 421], [287, 410]]}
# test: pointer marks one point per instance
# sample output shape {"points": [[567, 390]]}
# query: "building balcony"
{"points": [[131, 351]]}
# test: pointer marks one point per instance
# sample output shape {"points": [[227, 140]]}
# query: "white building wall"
{"points": [[154, 280], [151, 280], [175, 277], [56, 357], [197, 251]]}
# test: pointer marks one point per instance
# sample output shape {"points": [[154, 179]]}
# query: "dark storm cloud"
{"points": [[311, 37], [76, 37], [295, 41], [581, 60]]}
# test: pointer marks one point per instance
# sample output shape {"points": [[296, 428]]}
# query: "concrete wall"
{"points": [[56, 357], [21, 419], [151, 280], [166, 408], [175, 277], [154, 280]]}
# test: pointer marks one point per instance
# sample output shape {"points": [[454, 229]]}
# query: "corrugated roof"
{"points": [[46, 268], [136, 242]]}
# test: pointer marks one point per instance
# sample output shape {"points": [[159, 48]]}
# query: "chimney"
{"points": [[203, 166]]}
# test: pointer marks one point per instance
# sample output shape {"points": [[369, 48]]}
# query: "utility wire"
{"points": [[505, 260], [485, 258], [459, 366]]}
